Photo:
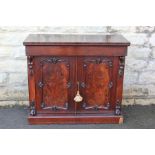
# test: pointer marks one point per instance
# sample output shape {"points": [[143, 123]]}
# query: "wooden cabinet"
{"points": [[75, 78]]}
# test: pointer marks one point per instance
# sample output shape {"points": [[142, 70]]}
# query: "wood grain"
{"points": [[75, 39], [76, 50], [56, 77], [72, 119], [97, 90]]}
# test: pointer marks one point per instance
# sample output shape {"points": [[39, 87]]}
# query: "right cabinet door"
{"points": [[95, 76]]}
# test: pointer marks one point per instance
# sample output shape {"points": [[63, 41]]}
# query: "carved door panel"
{"points": [[54, 84], [95, 79]]}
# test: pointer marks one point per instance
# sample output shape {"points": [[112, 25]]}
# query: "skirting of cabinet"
{"points": [[75, 119]]}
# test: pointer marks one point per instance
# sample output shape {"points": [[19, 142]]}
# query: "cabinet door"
{"points": [[54, 83], [96, 83]]}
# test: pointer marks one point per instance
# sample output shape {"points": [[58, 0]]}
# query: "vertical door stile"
{"points": [[114, 74], [71, 80], [76, 80], [42, 104], [111, 83], [79, 80]]}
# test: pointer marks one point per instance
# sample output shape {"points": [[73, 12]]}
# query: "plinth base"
{"points": [[75, 119]]}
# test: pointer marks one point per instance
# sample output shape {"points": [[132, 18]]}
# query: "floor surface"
{"points": [[136, 117]]}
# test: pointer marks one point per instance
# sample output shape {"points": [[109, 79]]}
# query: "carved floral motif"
{"points": [[52, 60], [30, 65], [32, 108]]}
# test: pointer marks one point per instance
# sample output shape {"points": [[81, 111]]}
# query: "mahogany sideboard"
{"points": [[75, 78]]}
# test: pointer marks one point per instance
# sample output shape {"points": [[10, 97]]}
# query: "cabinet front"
{"points": [[54, 84], [96, 83], [59, 79]]}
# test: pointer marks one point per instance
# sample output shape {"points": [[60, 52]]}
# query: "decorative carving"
{"points": [[82, 84], [122, 60], [54, 108], [121, 66], [110, 63], [110, 84], [100, 60], [118, 108], [96, 107], [68, 65], [40, 84], [30, 65], [121, 71], [84, 65], [32, 108], [43, 105], [69, 84], [52, 60]]}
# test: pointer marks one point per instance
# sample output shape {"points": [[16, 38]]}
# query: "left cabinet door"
{"points": [[54, 79]]}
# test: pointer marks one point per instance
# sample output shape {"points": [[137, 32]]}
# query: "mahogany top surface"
{"points": [[75, 39]]}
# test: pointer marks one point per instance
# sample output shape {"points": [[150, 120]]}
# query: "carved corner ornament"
{"points": [[118, 110], [33, 111], [30, 65], [121, 66]]}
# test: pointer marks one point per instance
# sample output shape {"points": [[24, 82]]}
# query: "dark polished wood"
{"points": [[88, 67], [76, 50], [73, 39], [75, 119]]}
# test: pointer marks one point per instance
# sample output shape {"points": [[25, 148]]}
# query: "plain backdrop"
{"points": [[77, 13]]}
